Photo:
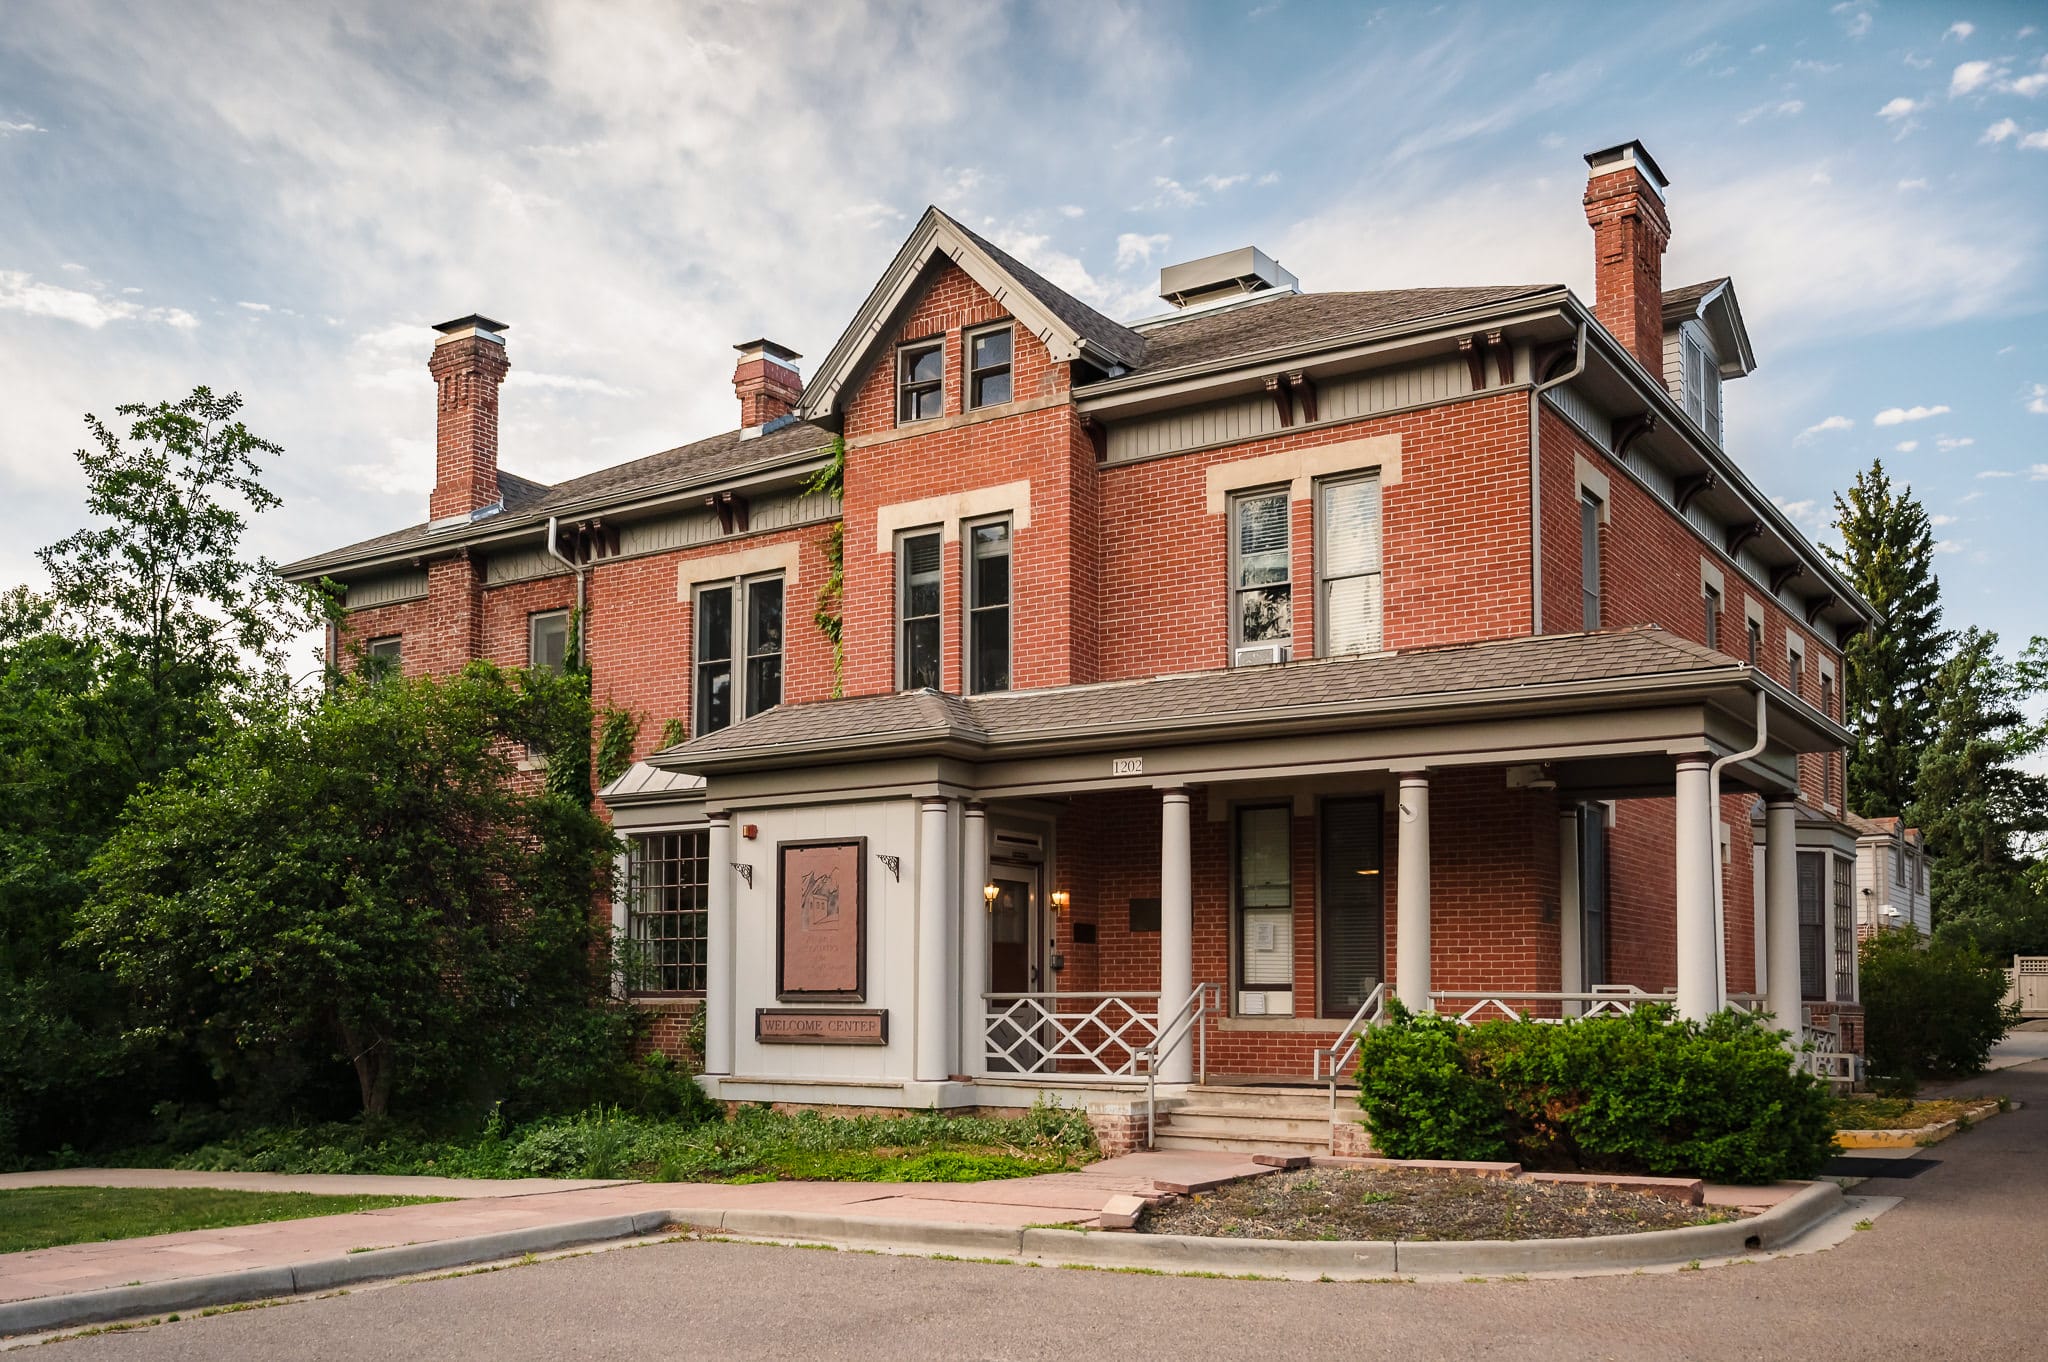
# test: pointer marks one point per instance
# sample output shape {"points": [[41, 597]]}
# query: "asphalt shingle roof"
{"points": [[1191, 701], [1113, 337], [1686, 299]]}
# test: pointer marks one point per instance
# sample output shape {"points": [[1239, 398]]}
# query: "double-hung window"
{"points": [[738, 627], [1756, 641], [1845, 931], [1589, 560], [1813, 941], [920, 382], [547, 639], [1350, 601], [666, 889], [1262, 585], [918, 593], [384, 656], [988, 367], [988, 605], [1711, 602]]}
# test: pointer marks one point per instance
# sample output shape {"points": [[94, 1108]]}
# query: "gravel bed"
{"points": [[1352, 1203]]}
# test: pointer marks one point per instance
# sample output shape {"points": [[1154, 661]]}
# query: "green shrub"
{"points": [[1929, 1011], [1644, 1093]]}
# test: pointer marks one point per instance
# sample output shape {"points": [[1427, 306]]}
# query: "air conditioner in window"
{"points": [[1261, 654]]}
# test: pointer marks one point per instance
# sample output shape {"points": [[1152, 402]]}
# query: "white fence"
{"points": [[2026, 985]]}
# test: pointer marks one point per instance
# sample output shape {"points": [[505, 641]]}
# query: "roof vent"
{"points": [[1231, 274]]}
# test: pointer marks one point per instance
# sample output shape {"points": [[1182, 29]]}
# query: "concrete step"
{"points": [[1188, 1121], [1247, 1144], [1315, 1107]]}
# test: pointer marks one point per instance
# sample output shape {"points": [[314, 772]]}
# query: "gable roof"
{"points": [[1066, 326], [1712, 302], [530, 503], [1217, 703]]}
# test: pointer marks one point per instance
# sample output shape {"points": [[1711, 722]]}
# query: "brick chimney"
{"points": [[767, 382], [1625, 207], [468, 364]]}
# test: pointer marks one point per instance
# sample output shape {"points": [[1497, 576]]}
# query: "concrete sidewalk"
{"points": [[502, 1210], [323, 1184]]}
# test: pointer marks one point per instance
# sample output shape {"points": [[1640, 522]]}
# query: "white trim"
{"points": [[1012, 499], [1591, 479], [1300, 468], [1710, 576], [759, 561]]}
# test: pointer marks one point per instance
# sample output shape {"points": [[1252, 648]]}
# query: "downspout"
{"points": [[1536, 478], [1714, 838], [579, 570]]}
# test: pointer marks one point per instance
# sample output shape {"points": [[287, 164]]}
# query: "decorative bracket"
{"points": [[1786, 575], [746, 872], [1818, 604], [1098, 436], [1474, 361], [1546, 362], [1634, 428], [1503, 356], [1276, 387], [732, 511], [1687, 490], [1738, 535], [892, 864], [1304, 388]]}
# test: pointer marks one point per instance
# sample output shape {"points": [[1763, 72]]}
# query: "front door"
{"points": [[1015, 965]]}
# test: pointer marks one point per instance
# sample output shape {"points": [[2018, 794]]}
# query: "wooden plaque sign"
{"points": [[787, 1026], [821, 929]]}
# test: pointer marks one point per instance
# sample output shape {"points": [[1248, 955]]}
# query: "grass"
{"points": [[44, 1217], [1865, 1112]]}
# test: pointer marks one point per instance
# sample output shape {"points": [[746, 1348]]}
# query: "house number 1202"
{"points": [[1127, 766]]}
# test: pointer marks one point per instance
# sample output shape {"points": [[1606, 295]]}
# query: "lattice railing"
{"points": [[1071, 1035], [1607, 1000]]}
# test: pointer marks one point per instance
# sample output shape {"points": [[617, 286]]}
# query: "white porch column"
{"points": [[1411, 895], [938, 906], [1781, 914], [720, 918], [1571, 910], [973, 940], [1699, 945], [1176, 927]]}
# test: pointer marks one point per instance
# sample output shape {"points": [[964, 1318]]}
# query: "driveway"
{"points": [[1954, 1271]]}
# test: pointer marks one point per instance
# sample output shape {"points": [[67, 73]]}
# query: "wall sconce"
{"points": [[989, 893], [1061, 901]]}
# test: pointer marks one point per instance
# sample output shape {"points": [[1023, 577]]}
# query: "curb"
{"points": [[40, 1313], [1916, 1138]]}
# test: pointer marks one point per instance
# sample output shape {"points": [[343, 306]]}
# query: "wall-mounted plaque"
{"points": [[787, 1026], [821, 925]]}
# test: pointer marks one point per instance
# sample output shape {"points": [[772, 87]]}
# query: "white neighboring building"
{"points": [[1891, 876]]}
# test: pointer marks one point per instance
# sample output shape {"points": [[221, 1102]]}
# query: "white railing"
{"points": [[1191, 1018], [1603, 1000], [1822, 1055], [1069, 1035]]}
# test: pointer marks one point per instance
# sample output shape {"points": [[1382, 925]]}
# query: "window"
{"points": [[1920, 873], [1593, 886], [917, 610], [1827, 759], [1589, 560], [1899, 865], [665, 910], [752, 635], [1712, 601], [1265, 897], [1845, 931], [1756, 641], [1262, 601], [1353, 903], [920, 382], [1795, 669], [988, 606], [1702, 387], [1350, 600], [547, 640], [1813, 941], [383, 656], [988, 368]]}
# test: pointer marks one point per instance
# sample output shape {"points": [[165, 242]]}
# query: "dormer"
{"points": [[1705, 344]]}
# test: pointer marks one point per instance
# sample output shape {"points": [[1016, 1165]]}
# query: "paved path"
{"points": [[2024, 1044], [1954, 1272], [326, 1184], [1053, 1198]]}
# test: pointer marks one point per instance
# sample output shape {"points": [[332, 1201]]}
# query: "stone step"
{"points": [[1187, 1121], [1294, 1108], [1248, 1144]]}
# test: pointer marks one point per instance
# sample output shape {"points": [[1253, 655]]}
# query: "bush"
{"points": [[1929, 1011], [1644, 1093]]}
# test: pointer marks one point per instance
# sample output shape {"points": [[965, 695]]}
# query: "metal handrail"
{"points": [[1190, 1016], [1343, 1049]]}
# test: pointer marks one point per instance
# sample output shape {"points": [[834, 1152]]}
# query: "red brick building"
{"points": [[1199, 681]]}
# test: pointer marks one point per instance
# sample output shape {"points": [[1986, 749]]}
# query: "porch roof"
{"points": [[1548, 671]]}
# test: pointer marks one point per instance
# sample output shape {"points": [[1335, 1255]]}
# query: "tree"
{"points": [[1979, 809], [363, 875], [1887, 554]]}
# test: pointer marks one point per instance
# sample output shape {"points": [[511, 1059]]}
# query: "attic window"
{"points": [[921, 382], [988, 368], [1702, 386]]}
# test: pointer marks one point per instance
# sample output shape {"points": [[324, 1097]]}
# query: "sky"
{"points": [[280, 201]]}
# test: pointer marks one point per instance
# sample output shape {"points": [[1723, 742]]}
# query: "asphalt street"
{"points": [[1958, 1270]]}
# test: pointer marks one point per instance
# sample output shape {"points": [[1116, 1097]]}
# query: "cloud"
{"points": [[1970, 77], [254, 307], [1938, 521], [1949, 444], [1783, 109], [1949, 545], [1136, 248], [1172, 193], [2000, 131], [1111, 296], [1907, 186], [1707, 53], [2037, 399], [1906, 446], [1218, 183], [1997, 473], [2037, 472], [2035, 141], [10, 129], [1856, 17], [1809, 515], [1805, 66], [1893, 416], [1072, 210], [565, 383], [1959, 30], [1825, 425], [20, 292], [1901, 107]]}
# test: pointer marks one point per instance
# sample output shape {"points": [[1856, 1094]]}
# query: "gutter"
{"points": [[1536, 391], [1714, 837], [555, 551]]}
